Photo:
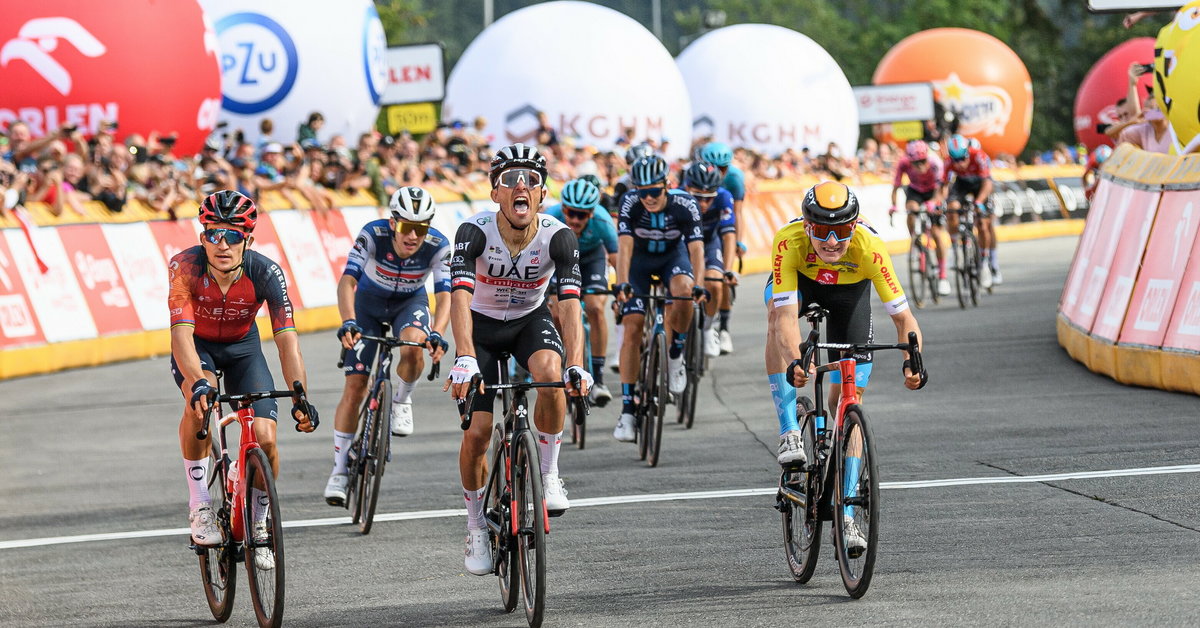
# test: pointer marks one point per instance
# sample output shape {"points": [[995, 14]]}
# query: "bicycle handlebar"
{"points": [[396, 342], [464, 406], [297, 391]]}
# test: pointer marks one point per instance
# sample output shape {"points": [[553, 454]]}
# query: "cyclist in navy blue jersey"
{"points": [[658, 234], [703, 181], [720, 155]]}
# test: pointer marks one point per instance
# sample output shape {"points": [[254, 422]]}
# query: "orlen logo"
{"points": [[981, 109], [375, 64], [258, 62], [39, 37]]}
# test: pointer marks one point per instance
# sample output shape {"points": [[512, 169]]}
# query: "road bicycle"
{"points": [[259, 545], [840, 480], [967, 258], [651, 392], [371, 449], [922, 260], [579, 420], [513, 502], [695, 364]]}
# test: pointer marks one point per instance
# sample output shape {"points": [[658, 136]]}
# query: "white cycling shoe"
{"points": [[335, 489], [943, 287], [555, 494], [791, 448], [264, 558], [985, 276], [624, 431], [599, 395], [402, 418], [856, 544], [676, 375], [997, 278], [205, 531], [479, 553], [726, 342], [712, 342]]}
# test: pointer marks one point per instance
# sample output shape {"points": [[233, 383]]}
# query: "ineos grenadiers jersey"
{"points": [[380, 272], [976, 167], [600, 230], [504, 286], [659, 232], [196, 301]]}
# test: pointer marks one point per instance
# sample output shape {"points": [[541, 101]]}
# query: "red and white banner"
{"points": [[55, 294], [1163, 265], [336, 238], [1130, 239], [18, 325], [266, 241], [1080, 275], [144, 270], [307, 257], [1184, 330], [101, 282]]}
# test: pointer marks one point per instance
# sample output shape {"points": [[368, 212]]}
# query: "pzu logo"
{"points": [[258, 62]]}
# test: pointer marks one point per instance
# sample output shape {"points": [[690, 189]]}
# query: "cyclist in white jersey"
{"points": [[502, 264]]}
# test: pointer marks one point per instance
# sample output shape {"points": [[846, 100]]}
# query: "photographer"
{"points": [[12, 184], [109, 183]]}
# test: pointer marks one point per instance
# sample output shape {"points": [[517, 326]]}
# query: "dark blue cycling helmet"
{"points": [[580, 194], [648, 170], [702, 176], [717, 153]]}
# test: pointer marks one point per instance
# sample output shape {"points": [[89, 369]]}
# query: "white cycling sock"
{"points": [[197, 474], [548, 447], [709, 321], [404, 390], [474, 499], [341, 450], [261, 505]]}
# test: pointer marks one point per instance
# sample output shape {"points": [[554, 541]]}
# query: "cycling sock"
{"points": [[341, 450], [598, 368], [197, 473], [262, 505], [853, 466], [404, 390], [995, 259], [784, 396], [942, 267], [709, 321], [474, 499], [548, 447], [626, 398], [725, 320], [676, 349]]}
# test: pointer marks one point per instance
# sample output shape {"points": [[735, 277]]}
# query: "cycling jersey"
{"points": [[600, 230], [718, 219], [865, 259], [924, 182], [380, 272], [976, 166], [735, 182], [506, 286], [196, 301], [658, 232]]}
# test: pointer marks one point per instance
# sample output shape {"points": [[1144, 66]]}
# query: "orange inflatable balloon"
{"points": [[974, 74]]}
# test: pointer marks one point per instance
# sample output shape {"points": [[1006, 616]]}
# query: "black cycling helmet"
{"points": [[648, 170], [517, 156], [830, 203], [702, 176], [638, 151], [594, 180], [230, 207]]}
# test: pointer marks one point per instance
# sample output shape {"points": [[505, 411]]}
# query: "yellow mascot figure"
{"points": [[1177, 76]]}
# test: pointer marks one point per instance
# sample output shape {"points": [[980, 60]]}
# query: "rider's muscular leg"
{"points": [[264, 431], [412, 359], [910, 207], [345, 417], [472, 466], [593, 307], [631, 344], [714, 280], [548, 411], [679, 314]]}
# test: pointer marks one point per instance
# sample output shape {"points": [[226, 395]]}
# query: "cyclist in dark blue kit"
{"points": [[718, 223], [658, 234]]}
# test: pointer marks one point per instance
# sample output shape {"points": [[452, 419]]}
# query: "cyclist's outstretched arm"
{"points": [[292, 365], [906, 322], [183, 349], [624, 257], [564, 250], [985, 190]]}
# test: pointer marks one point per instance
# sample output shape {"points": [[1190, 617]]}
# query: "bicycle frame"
{"points": [[235, 486]]}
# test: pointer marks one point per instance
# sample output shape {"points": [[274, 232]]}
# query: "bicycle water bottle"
{"points": [[231, 478]]}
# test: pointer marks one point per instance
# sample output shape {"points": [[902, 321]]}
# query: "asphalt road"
{"points": [[95, 451]]}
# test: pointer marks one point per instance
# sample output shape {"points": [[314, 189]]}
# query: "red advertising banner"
{"points": [[55, 295], [18, 325], [336, 238], [1073, 290], [1184, 330], [103, 289], [266, 241], [1163, 265], [1123, 271], [1092, 271], [175, 236]]}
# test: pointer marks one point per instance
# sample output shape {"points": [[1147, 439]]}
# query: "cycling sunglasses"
{"points": [[509, 178], [577, 214], [824, 233], [232, 237], [702, 194], [653, 192], [420, 228]]}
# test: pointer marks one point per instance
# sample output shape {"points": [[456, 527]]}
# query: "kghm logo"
{"points": [[258, 62], [521, 124], [39, 37]]}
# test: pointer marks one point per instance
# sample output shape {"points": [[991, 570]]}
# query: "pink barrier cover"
{"points": [[1130, 239], [1166, 258]]}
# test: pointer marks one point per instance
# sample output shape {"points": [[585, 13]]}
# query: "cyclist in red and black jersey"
{"points": [[969, 174], [216, 290]]}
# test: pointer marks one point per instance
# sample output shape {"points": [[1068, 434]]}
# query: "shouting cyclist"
{"points": [[969, 175], [384, 282], [831, 258], [216, 289], [720, 155], [597, 238], [658, 234], [702, 180], [503, 261], [924, 172]]}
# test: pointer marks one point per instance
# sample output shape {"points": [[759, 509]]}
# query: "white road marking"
{"points": [[625, 499]]}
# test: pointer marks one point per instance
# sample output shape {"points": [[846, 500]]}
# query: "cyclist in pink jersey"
{"points": [[924, 171]]}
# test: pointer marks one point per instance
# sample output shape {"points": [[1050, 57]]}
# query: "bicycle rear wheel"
{"points": [[974, 264], [531, 527], [918, 259], [218, 570], [962, 279], [931, 267], [661, 394], [857, 500], [264, 546], [377, 443], [497, 508], [801, 492]]}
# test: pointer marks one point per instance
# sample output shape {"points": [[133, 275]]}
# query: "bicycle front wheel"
{"points": [[918, 259], [693, 353], [377, 443], [531, 527], [263, 540], [218, 570], [974, 264], [661, 394], [578, 412], [497, 508], [800, 492], [856, 511]]}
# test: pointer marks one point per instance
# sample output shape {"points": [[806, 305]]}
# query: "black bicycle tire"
{"points": [[802, 559], [962, 280], [257, 465], [354, 481], [654, 446], [916, 277], [931, 269], [972, 255], [855, 421], [531, 523], [496, 506], [693, 352], [221, 558], [646, 385], [376, 455]]}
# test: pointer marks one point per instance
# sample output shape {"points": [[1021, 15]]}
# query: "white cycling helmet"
{"points": [[412, 204]]}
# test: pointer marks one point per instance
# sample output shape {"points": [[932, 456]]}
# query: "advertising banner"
{"points": [[1166, 257], [18, 325], [266, 241], [101, 282], [335, 238], [1085, 252], [175, 236], [55, 294], [894, 103], [143, 269], [306, 256], [1126, 261], [416, 73]]}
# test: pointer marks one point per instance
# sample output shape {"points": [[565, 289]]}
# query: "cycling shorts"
{"points": [[918, 196], [666, 266], [593, 272], [965, 188], [849, 320], [372, 312], [243, 367], [714, 254], [520, 337]]}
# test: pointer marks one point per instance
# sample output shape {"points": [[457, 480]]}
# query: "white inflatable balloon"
{"points": [[285, 60], [594, 71], [768, 88]]}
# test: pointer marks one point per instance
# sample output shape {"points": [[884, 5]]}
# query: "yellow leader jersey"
{"points": [[866, 259]]}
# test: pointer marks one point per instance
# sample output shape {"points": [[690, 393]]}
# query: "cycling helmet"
{"points": [[703, 176], [1102, 153], [917, 150], [581, 194], [648, 170], [412, 204], [975, 143], [717, 153], [231, 207], [517, 156], [958, 146], [594, 180], [830, 203], [637, 152]]}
